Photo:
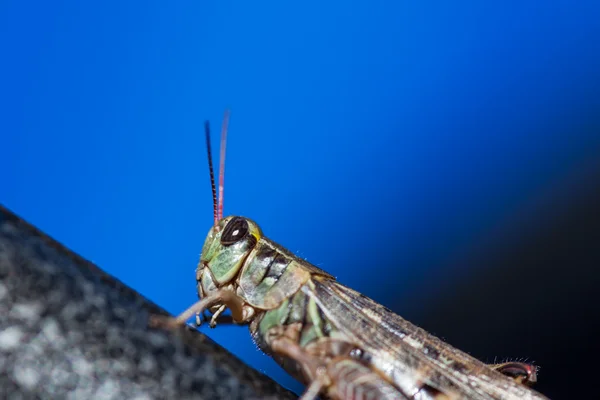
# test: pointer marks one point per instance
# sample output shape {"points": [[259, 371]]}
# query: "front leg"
{"points": [[216, 315], [222, 297]]}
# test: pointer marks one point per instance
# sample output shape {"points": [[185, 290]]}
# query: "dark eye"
{"points": [[234, 231]]}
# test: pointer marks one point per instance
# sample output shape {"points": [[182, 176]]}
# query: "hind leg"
{"points": [[340, 377]]}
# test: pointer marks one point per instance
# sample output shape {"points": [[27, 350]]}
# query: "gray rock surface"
{"points": [[70, 331]]}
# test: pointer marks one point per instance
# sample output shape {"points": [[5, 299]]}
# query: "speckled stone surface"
{"points": [[70, 331]]}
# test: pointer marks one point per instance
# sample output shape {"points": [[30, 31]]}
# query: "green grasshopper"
{"points": [[339, 342]]}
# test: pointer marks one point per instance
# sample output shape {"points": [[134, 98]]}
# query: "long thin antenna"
{"points": [[222, 163], [212, 173]]}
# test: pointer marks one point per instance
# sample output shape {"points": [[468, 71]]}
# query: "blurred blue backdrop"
{"points": [[384, 141]]}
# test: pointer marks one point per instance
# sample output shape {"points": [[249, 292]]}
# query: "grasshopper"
{"points": [[339, 342]]}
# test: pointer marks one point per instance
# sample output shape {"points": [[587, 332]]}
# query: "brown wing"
{"points": [[409, 349]]}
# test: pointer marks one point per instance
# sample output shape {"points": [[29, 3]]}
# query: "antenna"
{"points": [[222, 164], [212, 173]]}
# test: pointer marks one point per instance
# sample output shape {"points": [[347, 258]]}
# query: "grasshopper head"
{"points": [[230, 240], [226, 247]]}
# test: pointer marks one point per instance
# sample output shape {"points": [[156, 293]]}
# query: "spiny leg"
{"points": [[523, 373]]}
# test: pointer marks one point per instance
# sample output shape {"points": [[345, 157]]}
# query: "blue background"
{"points": [[390, 143]]}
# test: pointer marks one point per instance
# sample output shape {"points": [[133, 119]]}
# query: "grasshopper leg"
{"points": [[313, 390], [213, 320], [523, 373], [223, 297], [352, 380], [339, 378], [286, 347]]}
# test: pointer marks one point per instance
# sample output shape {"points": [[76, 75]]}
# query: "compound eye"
{"points": [[234, 231]]}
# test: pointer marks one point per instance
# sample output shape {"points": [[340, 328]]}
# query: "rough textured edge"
{"points": [[70, 330]]}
